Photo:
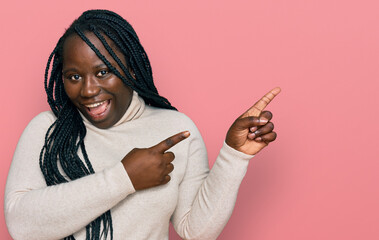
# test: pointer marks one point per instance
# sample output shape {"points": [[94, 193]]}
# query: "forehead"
{"points": [[75, 47]]}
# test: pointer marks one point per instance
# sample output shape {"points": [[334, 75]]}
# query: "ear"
{"points": [[132, 73]]}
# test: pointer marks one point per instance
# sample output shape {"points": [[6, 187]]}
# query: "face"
{"points": [[97, 93]]}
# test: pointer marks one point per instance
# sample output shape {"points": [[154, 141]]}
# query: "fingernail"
{"points": [[253, 129], [186, 134], [258, 139], [252, 135], [263, 120]]}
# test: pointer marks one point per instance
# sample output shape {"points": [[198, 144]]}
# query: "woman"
{"points": [[106, 166]]}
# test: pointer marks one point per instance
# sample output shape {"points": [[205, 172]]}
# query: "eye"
{"points": [[74, 77], [102, 73]]}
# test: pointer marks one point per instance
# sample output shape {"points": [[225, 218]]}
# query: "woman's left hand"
{"points": [[253, 131]]}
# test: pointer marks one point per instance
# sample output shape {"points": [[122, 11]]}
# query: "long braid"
{"points": [[59, 159]]}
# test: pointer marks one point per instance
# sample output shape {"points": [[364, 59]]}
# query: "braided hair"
{"points": [[65, 137]]}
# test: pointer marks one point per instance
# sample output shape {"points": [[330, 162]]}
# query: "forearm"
{"points": [[213, 205], [57, 211]]}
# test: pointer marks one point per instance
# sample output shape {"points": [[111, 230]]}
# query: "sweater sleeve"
{"points": [[207, 198], [34, 210]]}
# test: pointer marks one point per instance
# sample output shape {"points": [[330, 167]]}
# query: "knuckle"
{"points": [[268, 114], [170, 167], [253, 121], [154, 149], [270, 137], [158, 182], [274, 136], [161, 164], [167, 178], [238, 121], [266, 99], [169, 142], [169, 156], [164, 179], [156, 163]]}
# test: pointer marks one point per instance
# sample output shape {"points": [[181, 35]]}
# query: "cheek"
{"points": [[128, 94], [125, 95], [71, 90]]}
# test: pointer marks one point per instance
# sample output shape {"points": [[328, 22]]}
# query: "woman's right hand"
{"points": [[149, 167]]}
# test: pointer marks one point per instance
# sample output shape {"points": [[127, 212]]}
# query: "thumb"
{"points": [[248, 122]]}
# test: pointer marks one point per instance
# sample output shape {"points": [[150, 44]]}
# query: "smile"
{"points": [[97, 110], [95, 104]]}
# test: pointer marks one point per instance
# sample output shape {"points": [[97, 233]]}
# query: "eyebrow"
{"points": [[101, 65], [74, 69], [67, 70]]}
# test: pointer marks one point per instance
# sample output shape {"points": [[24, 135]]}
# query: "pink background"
{"points": [[213, 60]]}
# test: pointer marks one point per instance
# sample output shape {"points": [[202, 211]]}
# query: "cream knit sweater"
{"points": [[197, 201]]}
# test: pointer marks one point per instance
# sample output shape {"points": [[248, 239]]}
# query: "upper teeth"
{"points": [[95, 104]]}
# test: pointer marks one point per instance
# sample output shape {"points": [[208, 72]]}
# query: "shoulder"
{"points": [[41, 122], [43, 118], [33, 136]]}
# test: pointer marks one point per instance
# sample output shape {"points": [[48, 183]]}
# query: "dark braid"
{"points": [[65, 137]]}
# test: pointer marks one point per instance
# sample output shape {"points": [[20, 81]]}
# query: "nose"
{"points": [[90, 87]]}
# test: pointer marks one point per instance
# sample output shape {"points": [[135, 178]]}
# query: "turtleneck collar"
{"points": [[134, 111]]}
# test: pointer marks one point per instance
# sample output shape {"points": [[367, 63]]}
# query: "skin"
{"points": [[252, 131], [87, 80]]}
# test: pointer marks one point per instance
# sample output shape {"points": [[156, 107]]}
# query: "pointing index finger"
{"points": [[259, 106], [171, 141]]}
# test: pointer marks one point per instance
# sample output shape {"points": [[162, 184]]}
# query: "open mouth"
{"points": [[98, 110]]}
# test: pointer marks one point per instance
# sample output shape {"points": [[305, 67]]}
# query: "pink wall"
{"points": [[213, 59]]}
